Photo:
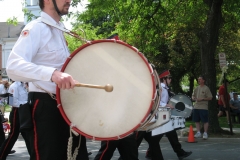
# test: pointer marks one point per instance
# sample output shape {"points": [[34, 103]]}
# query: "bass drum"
{"points": [[183, 105], [101, 115]]}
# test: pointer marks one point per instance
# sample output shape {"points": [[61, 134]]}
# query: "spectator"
{"points": [[201, 95], [235, 104]]}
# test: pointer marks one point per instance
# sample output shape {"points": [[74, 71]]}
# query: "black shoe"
{"points": [[89, 153], [184, 155], [148, 156], [12, 151]]}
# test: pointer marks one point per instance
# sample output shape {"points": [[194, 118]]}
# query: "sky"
{"points": [[10, 8]]}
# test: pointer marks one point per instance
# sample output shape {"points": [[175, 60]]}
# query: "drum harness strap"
{"points": [[70, 156], [73, 156], [71, 33]]}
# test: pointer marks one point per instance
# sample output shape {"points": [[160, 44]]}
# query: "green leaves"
{"points": [[167, 31], [12, 21], [29, 15]]}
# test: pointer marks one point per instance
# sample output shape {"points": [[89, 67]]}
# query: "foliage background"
{"points": [[184, 36]]}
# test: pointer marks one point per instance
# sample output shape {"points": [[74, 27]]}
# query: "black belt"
{"points": [[39, 95]]}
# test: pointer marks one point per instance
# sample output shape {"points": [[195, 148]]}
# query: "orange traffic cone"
{"points": [[191, 135]]}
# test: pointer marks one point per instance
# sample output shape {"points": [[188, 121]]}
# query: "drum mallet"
{"points": [[107, 88]]}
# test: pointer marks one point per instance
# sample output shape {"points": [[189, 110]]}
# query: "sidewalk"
{"points": [[184, 132]]}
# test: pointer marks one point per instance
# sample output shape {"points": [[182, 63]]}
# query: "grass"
{"points": [[225, 133], [7, 108]]}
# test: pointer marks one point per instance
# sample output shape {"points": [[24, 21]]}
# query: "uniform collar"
{"points": [[49, 18]]}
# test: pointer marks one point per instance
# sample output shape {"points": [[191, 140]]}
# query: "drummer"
{"points": [[37, 57], [126, 146], [157, 134]]}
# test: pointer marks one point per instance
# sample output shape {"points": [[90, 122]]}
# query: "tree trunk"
{"points": [[191, 85], [208, 44]]}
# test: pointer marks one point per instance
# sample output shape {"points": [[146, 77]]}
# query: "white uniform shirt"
{"points": [[164, 100], [3, 90], [164, 95], [19, 92], [39, 51]]}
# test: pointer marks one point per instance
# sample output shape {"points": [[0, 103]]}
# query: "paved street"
{"points": [[211, 149]]}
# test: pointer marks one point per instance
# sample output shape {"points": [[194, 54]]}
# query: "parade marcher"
{"points": [[127, 148], [201, 95], [4, 87], [144, 135], [158, 133], [37, 57], [20, 95]]}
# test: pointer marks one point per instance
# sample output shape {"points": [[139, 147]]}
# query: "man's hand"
{"points": [[199, 99], [170, 106], [63, 80]]}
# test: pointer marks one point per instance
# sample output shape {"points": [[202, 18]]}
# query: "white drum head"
{"points": [[102, 115], [182, 105]]}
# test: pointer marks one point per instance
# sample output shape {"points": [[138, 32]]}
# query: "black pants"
{"points": [[173, 139], [140, 136], [2, 136], [49, 135], [127, 148], [155, 146], [8, 144]]}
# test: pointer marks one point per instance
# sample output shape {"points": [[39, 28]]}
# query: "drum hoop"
{"points": [[156, 104], [58, 90]]}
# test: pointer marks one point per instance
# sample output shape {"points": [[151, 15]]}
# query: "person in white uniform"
{"points": [[4, 87], [3, 90], [166, 129], [37, 57], [20, 96]]}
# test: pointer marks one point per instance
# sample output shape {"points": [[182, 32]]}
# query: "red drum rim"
{"points": [[60, 102]]}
